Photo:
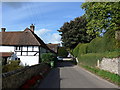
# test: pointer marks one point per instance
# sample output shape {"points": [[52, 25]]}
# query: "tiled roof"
{"points": [[22, 38], [53, 47], [5, 54]]}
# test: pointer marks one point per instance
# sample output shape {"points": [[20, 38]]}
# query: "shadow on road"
{"points": [[53, 78], [65, 64]]}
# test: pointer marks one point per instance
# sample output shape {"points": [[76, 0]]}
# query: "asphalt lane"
{"points": [[66, 75]]}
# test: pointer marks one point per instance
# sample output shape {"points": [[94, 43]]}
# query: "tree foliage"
{"points": [[47, 57], [62, 52], [102, 16], [74, 32]]}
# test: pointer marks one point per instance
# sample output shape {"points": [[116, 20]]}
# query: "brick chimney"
{"points": [[3, 29], [32, 27]]}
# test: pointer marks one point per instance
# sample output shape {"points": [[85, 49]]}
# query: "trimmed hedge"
{"points": [[106, 46], [90, 59]]}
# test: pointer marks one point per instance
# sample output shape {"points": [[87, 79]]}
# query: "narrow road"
{"points": [[66, 75]]}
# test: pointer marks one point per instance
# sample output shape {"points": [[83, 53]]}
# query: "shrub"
{"points": [[47, 57], [62, 52], [107, 45], [75, 51], [83, 49], [13, 65], [90, 59], [95, 46]]}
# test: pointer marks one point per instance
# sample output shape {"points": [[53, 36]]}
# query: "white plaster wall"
{"points": [[29, 60], [6, 48]]}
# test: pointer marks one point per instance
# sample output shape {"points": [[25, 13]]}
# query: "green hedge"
{"points": [[106, 46], [99, 45], [47, 57], [90, 59], [75, 51]]}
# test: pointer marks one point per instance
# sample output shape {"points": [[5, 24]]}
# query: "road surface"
{"points": [[66, 75]]}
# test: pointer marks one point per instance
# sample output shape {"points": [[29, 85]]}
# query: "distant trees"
{"points": [[62, 52], [102, 16], [99, 18], [74, 32]]}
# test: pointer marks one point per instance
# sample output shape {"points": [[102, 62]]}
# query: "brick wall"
{"points": [[117, 35]]}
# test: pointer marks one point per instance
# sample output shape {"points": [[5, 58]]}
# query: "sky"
{"points": [[47, 17]]}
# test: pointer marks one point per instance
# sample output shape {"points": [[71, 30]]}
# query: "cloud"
{"points": [[42, 31], [48, 36], [55, 38]]}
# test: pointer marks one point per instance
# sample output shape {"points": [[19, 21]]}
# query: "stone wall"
{"points": [[111, 65], [16, 78], [117, 35]]}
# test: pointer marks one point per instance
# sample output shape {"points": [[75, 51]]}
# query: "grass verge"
{"points": [[114, 78]]}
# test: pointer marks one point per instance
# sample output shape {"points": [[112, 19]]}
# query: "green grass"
{"points": [[104, 74]]}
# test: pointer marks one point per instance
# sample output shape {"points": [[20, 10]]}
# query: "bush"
{"points": [[75, 51], [104, 44], [90, 59], [98, 48], [83, 49], [13, 65], [100, 44], [95, 45], [62, 52], [47, 57]]}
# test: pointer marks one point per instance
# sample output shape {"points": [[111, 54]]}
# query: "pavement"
{"points": [[67, 75]]}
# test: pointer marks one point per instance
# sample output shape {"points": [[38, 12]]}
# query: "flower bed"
{"points": [[32, 81]]}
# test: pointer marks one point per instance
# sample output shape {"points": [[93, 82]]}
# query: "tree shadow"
{"points": [[65, 63], [52, 80]]}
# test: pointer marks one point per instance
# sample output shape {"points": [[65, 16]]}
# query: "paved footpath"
{"points": [[66, 75]]}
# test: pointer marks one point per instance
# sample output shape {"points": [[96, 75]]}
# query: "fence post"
{"points": [[98, 63]]}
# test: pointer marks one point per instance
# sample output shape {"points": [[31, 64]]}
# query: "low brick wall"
{"points": [[111, 65], [17, 78]]}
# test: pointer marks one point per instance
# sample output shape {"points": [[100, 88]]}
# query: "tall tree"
{"points": [[102, 16], [74, 32]]}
